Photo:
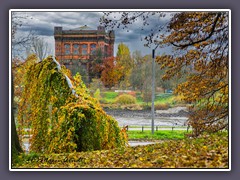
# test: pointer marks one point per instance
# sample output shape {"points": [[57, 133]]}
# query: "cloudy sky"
{"points": [[43, 22]]}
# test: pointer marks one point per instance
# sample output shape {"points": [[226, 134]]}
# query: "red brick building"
{"points": [[76, 46]]}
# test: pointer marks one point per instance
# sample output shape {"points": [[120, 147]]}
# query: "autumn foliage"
{"points": [[207, 151], [19, 69], [64, 119], [111, 73], [201, 44], [198, 47]]}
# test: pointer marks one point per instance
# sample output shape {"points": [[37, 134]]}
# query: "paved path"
{"points": [[139, 143]]}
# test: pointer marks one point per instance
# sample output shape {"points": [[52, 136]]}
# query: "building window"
{"points": [[84, 49], [75, 49], [67, 49], [93, 48]]}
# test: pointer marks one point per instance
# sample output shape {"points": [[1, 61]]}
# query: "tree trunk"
{"points": [[16, 147]]}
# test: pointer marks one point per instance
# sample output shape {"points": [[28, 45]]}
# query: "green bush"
{"points": [[125, 99]]}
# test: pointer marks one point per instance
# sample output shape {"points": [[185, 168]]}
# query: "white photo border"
{"points": [[115, 10]]}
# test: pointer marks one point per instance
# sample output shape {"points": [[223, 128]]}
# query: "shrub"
{"points": [[162, 106], [125, 99]]}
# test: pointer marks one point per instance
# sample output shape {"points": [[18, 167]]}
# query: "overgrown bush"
{"points": [[64, 119], [125, 99]]}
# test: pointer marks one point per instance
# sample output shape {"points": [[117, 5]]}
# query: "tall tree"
{"points": [[136, 77], [199, 41], [19, 68], [15, 144], [16, 22], [111, 73], [19, 44], [124, 60], [146, 70]]}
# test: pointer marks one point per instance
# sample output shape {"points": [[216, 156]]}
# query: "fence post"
{"points": [[156, 128], [142, 128], [172, 128]]}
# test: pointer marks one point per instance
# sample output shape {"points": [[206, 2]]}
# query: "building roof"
{"points": [[85, 27], [84, 30]]}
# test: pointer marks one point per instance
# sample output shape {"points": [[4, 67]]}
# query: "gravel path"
{"points": [[139, 143]]}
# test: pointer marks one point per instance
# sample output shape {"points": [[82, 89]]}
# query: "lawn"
{"points": [[158, 135], [109, 96], [163, 98]]}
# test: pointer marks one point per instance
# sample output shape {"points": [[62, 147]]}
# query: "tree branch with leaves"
{"points": [[199, 42]]}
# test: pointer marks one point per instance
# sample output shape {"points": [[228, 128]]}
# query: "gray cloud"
{"points": [[42, 23]]}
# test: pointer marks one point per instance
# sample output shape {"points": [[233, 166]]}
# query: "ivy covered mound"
{"points": [[62, 115]]}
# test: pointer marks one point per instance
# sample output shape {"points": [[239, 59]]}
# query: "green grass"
{"points": [[109, 96], [162, 100], [158, 135], [159, 98]]}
